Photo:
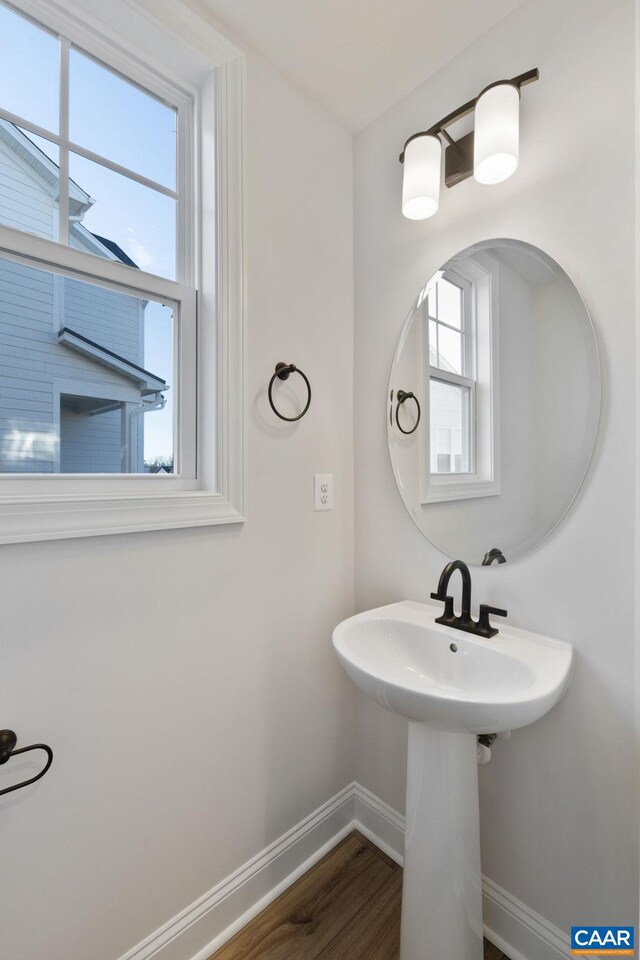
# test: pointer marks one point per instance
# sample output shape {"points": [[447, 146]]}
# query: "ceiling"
{"points": [[357, 57]]}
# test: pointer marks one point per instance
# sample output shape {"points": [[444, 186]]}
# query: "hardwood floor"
{"points": [[347, 907]]}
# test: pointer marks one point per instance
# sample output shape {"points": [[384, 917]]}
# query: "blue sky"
{"points": [[117, 120]]}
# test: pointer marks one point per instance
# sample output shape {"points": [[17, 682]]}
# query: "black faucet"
{"points": [[465, 621]]}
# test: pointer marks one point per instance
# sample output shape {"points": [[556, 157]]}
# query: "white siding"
{"points": [[27, 437], [35, 435], [90, 444], [32, 361], [24, 203], [109, 318]]}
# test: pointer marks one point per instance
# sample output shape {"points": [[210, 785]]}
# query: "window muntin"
{"points": [[96, 108], [136, 131], [50, 150], [140, 220]]}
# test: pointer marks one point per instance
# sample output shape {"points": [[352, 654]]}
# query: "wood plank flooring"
{"points": [[347, 907]]}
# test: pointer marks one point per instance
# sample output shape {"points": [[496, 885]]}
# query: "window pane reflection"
{"points": [[449, 429]]}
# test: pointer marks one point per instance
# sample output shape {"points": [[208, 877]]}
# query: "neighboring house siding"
{"points": [[24, 203], [90, 444], [37, 435], [27, 441], [35, 368], [108, 317]]}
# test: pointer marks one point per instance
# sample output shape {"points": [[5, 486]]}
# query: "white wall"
{"points": [[186, 679], [562, 361], [558, 826]]}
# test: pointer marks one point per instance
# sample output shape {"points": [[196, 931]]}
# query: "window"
{"points": [[460, 311], [452, 388], [101, 244], [120, 206]]}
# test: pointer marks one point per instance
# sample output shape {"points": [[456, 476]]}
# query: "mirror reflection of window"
{"points": [[450, 428], [459, 313], [451, 382]]}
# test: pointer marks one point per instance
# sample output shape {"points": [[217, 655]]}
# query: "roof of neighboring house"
{"points": [[149, 382], [31, 153], [116, 250], [79, 200]]}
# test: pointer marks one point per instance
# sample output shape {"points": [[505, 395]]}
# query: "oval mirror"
{"points": [[494, 401]]}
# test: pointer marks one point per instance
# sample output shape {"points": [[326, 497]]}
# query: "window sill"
{"points": [[455, 489], [23, 520]]}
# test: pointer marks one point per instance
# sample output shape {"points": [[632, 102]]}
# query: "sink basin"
{"points": [[448, 679], [450, 686]]}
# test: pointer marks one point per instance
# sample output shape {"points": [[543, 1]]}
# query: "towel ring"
{"points": [[282, 372], [402, 396], [8, 742]]}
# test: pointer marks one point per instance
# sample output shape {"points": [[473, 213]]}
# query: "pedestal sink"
{"points": [[451, 686]]}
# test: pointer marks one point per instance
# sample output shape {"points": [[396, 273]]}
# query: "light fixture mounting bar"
{"points": [[439, 128]]}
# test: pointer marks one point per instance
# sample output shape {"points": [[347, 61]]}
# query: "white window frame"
{"points": [[139, 41], [479, 280]]}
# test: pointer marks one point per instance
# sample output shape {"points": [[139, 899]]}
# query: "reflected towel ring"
{"points": [[8, 742], [402, 396], [282, 373]]}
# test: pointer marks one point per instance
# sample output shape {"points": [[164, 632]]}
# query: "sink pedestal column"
{"points": [[442, 889]]}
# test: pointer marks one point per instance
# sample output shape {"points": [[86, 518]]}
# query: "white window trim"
{"points": [[84, 509], [441, 488]]}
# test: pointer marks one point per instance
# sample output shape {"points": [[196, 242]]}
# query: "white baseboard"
{"points": [[201, 929], [518, 930], [383, 825], [513, 927]]}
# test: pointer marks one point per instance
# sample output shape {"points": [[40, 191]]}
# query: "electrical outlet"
{"points": [[323, 491]]}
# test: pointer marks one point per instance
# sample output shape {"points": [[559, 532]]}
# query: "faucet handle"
{"points": [[484, 626], [448, 614]]}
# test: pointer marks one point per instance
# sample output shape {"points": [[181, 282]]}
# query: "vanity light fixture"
{"points": [[490, 152], [421, 180]]}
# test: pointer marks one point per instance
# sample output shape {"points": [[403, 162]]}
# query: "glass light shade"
{"points": [[497, 134], [421, 180]]}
